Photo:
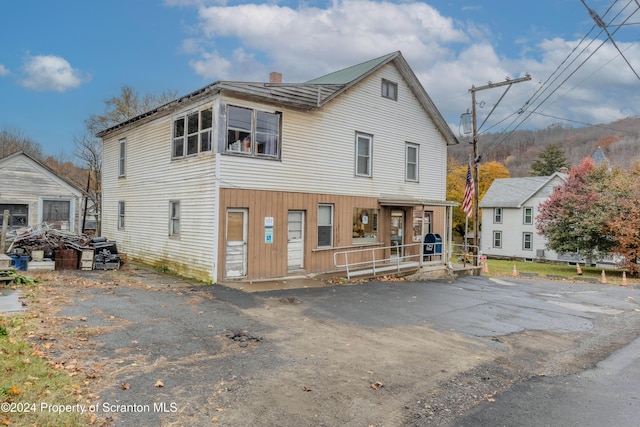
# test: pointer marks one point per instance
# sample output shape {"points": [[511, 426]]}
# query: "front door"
{"points": [[295, 241], [236, 246], [397, 234]]}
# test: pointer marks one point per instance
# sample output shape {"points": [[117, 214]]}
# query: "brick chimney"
{"points": [[275, 77]]}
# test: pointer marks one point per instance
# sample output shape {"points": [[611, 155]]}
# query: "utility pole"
{"points": [[476, 159]]}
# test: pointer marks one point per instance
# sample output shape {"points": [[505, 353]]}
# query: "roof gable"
{"points": [[6, 162], [515, 192]]}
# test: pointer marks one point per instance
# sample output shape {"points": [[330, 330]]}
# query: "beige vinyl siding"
{"points": [[153, 180], [24, 182], [318, 147]]}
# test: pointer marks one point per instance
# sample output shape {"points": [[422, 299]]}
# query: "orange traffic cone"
{"points": [[514, 273], [485, 267], [624, 278], [603, 278], [579, 269]]}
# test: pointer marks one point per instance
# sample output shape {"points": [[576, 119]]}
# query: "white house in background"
{"points": [[509, 209], [33, 194], [260, 180]]}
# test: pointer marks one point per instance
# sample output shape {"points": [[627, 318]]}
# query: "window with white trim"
{"points": [[120, 215], [389, 90], [325, 225], [527, 241], [364, 146], [192, 133], [57, 213], [174, 218], [18, 215], [411, 162], [122, 157], [253, 133], [497, 215], [497, 239], [527, 217]]}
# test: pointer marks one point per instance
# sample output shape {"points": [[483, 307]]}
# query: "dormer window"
{"points": [[389, 90]]}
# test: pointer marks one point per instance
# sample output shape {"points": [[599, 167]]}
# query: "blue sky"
{"points": [[60, 60]]}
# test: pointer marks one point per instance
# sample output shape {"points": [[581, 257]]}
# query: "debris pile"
{"points": [[68, 249]]}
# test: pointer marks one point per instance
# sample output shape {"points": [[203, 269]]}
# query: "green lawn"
{"points": [[505, 268]]}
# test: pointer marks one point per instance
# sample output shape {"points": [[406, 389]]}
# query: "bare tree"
{"points": [[14, 141], [127, 105], [88, 149]]}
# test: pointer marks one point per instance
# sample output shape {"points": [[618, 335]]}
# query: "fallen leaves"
{"points": [[377, 385], [159, 384]]}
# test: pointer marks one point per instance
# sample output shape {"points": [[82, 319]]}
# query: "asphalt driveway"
{"points": [[163, 351]]}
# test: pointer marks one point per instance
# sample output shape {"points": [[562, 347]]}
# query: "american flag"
{"points": [[469, 192]]}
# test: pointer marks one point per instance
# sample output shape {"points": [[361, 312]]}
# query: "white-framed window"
{"points": [[121, 215], [174, 218], [527, 216], [365, 226], [412, 154], [497, 215], [389, 90], [192, 133], [253, 133], [122, 157], [57, 213], [325, 225], [497, 239], [364, 146], [527, 241]]}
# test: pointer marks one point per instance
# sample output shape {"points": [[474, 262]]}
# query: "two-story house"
{"points": [[247, 181], [509, 209]]}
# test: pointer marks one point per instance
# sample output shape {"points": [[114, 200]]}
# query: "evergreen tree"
{"points": [[552, 159]]}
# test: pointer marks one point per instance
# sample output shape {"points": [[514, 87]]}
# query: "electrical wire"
{"points": [[557, 73]]}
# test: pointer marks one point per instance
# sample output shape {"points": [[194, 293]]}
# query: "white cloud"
{"points": [[49, 72], [246, 41], [4, 71]]}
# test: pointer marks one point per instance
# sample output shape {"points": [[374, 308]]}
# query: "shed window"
{"points": [[18, 215], [57, 213]]}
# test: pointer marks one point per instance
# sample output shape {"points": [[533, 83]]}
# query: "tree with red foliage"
{"points": [[574, 219]]}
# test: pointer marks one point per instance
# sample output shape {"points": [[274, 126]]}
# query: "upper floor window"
{"points": [[497, 215], [411, 158], [527, 216], [192, 133], [389, 90], [252, 132], [122, 156], [364, 145]]}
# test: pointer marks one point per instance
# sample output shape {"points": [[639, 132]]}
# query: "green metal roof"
{"points": [[354, 72]]}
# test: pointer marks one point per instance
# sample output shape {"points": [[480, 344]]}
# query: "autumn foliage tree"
{"points": [[456, 183], [596, 214], [625, 224]]}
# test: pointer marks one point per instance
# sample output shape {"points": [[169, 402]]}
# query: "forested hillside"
{"points": [[619, 140]]}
